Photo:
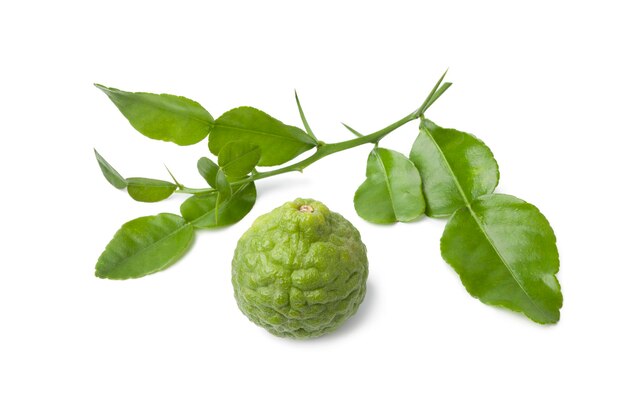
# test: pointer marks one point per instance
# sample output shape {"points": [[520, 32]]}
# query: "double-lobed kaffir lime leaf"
{"points": [[503, 248], [277, 142], [456, 167], [163, 116], [145, 245], [146, 190], [210, 211], [506, 255], [392, 191]]}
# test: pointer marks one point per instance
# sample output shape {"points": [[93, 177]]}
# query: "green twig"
{"points": [[325, 149]]}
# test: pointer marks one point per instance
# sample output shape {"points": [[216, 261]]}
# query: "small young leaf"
{"points": [[201, 210], [163, 116], [148, 190], [392, 191], [277, 141], [238, 158], [456, 167], [223, 186], [114, 178], [144, 246], [505, 253], [208, 169]]}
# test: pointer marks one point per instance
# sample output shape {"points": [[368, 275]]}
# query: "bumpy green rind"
{"points": [[300, 274]]}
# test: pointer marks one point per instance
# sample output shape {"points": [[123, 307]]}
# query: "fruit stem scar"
{"points": [[305, 208]]}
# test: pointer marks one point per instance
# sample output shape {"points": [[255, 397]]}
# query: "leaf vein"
{"points": [[387, 183], [260, 132], [452, 174], [504, 262], [128, 258]]}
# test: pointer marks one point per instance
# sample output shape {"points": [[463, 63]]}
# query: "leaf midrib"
{"points": [[452, 174], [168, 108], [289, 138], [505, 263], [152, 185], [387, 183]]}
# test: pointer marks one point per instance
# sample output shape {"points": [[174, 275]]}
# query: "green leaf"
{"points": [[238, 158], [392, 191], [223, 186], [456, 167], [201, 210], [148, 190], [112, 176], [144, 246], [505, 252], [208, 169], [163, 116], [277, 141]]}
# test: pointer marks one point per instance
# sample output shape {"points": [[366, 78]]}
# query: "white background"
{"points": [[542, 83]]}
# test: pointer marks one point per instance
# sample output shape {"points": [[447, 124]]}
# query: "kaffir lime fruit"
{"points": [[300, 270]]}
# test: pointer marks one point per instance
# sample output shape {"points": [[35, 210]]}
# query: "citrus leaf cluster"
{"points": [[503, 248]]}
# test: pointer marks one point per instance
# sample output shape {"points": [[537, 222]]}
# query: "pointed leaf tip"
{"points": [[164, 117], [112, 176]]}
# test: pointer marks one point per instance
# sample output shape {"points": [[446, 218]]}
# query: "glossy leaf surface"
{"points": [[238, 158], [392, 191], [505, 253], [456, 167], [277, 141], [144, 246], [112, 176], [208, 169], [201, 210], [163, 116], [149, 190]]}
